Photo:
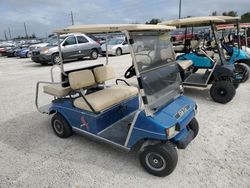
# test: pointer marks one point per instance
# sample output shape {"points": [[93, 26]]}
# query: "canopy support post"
{"points": [[60, 54], [106, 47], [143, 105]]}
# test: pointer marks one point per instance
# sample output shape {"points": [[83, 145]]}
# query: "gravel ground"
{"points": [[32, 156]]}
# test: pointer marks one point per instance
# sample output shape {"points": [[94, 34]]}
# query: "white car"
{"points": [[116, 46]]}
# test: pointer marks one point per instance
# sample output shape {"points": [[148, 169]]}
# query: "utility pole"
{"points": [[25, 30], [180, 9], [9, 32], [72, 18], [6, 38]]}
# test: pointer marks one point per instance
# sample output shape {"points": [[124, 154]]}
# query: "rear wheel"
{"points": [[60, 126], [55, 58], [160, 159], [242, 69], [93, 54], [118, 52], [28, 54], [222, 91]]}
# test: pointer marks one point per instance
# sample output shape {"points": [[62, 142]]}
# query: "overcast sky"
{"points": [[43, 16]]}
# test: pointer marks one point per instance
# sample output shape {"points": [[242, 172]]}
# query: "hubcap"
{"points": [[94, 54], [58, 126], [155, 161], [57, 59], [118, 52], [222, 92]]}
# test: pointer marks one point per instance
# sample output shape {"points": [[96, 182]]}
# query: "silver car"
{"points": [[116, 46], [74, 46]]}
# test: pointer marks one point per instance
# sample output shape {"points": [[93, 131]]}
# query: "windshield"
{"points": [[54, 42], [155, 59], [115, 41]]}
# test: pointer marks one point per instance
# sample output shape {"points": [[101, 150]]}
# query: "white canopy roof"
{"points": [[109, 28], [228, 18], [193, 21]]}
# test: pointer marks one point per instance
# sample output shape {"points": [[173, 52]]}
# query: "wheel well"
{"points": [[52, 112], [94, 49]]}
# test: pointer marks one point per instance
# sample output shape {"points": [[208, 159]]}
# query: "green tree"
{"points": [[230, 13], [154, 21], [214, 13], [245, 17]]}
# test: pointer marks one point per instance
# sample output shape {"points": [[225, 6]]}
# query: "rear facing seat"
{"points": [[185, 64], [56, 90], [103, 99]]}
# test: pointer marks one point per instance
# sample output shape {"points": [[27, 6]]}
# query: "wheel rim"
{"points": [[57, 59], [155, 161], [94, 54], [58, 127]]}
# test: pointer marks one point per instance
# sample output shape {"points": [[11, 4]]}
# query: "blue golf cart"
{"points": [[156, 116], [203, 68], [231, 43]]}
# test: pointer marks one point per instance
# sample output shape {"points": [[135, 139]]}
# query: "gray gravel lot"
{"points": [[32, 156]]}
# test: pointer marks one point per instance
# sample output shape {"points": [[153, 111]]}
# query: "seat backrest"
{"points": [[226, 40], [81, 79], [104, 73], [195, 44], [213, 44], [167, 53]]}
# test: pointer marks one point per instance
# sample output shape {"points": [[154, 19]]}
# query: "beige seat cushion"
{"points": [[81, 79], [195, 44], [209, 53], [185, 64], [106, 98], [56, 90], [104, 73]]}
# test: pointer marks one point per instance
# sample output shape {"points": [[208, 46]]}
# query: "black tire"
{"points": [[55, 59], [244, 70], [222, 91], [93, 54], [60, 126], [28, 55], [236, 85], [118, 52], [160, 159], [194, 126]]}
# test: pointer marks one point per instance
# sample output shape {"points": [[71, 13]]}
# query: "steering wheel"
{"points": [[130, 72]]}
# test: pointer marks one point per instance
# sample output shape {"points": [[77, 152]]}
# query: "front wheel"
{"points": [[118, 52], [55, 58], [160, 159], [93, 54], [243, 70], [194, 126], [222, 91]]}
